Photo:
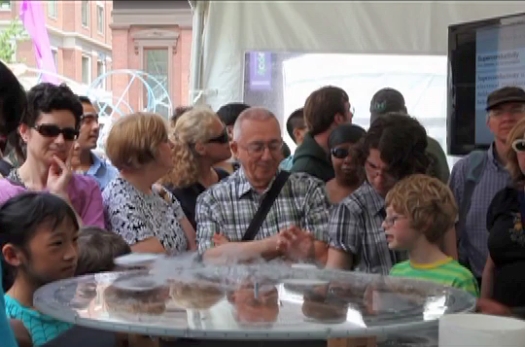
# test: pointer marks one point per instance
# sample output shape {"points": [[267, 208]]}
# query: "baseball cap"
{"points": [[505, 95], [387, 100]]}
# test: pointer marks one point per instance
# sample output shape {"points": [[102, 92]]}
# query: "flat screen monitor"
{"points": [[482, 57]]}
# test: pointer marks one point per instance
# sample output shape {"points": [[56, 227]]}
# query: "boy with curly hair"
{"points": [[420, 210]]}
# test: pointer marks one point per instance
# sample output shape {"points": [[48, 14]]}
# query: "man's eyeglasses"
{"points": [[89, 116], [514, 111], [51, 130], [258, 148], [377, 171]]}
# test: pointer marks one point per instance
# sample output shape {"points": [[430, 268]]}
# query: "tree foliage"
{"points": [[8, 37]]}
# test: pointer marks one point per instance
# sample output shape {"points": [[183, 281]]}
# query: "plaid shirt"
{"points": [[355, 227], [229, 206], [473, 246]]}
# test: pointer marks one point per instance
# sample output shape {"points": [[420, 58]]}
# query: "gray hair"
{"points": [[252, 113]]}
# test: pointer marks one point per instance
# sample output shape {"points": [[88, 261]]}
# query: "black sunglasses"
{"points": [[222, 138], [51, 130], [340, 153]]}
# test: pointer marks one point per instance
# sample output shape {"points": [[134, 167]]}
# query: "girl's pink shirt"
{"points": [[84, 194]]}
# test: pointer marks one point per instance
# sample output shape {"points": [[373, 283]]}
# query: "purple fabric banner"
{"points": [[32, 16], [260, 71]]}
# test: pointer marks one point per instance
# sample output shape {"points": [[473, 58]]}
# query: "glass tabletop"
{"points": [[256, 301]]}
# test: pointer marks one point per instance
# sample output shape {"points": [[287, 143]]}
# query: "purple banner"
{"points": [[260, 71]]}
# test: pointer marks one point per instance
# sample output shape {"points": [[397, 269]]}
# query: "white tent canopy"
{"points": [[229, 29]]}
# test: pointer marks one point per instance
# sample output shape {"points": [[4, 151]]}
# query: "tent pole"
{"points": [[196, 94]]}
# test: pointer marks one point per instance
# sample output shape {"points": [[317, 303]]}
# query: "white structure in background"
{"points": [[421, 79]]}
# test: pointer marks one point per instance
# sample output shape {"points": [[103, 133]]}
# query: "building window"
{"points": [[85, 13], [86, 69], [156, 64], [100, 18], [52, 10], [5, 5], [101, 70], [54, 52]]}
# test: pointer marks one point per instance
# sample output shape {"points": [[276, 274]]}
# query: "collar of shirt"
{"points": [[97, 165], [493, 157], [244, 186], [378, 203]]}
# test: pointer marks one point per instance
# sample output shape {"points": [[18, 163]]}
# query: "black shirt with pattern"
{"points": [[506, 245]]}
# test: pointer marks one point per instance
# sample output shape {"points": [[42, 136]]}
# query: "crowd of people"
{"points": [[379, 201]]}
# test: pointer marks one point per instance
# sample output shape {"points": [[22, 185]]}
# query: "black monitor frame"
{"points": [[457, 126]]}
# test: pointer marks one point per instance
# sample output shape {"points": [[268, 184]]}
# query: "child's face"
{"points": [[50, 255], [399, 235]]}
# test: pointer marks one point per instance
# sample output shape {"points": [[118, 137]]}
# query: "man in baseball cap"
{"points": [[389, 100]]}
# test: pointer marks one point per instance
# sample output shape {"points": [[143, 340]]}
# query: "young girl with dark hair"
{"points": [[38, 239]]}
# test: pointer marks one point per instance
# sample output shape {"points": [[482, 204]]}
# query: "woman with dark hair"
{"points": [[349, 174], [13, 103], [392, 149], [49, 127]]}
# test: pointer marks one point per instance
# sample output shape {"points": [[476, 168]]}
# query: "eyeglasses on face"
{"points": [[51, 130], [86, 117], [377, 171], [513, 111], [519, 145], [224, 137], [391, 220], [257, 148], [340, 153]]}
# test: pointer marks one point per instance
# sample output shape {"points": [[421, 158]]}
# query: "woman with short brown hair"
{"points": [[150, 221]]}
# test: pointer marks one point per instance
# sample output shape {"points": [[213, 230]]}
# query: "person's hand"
{"points": [[220, 239], [59, 176], [296, 244], [487, 306]]}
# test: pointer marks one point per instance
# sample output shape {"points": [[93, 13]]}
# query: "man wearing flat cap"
{"points": [[505, 107]]}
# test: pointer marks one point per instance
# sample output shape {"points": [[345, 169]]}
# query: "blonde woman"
{"points": [[200, 141], [149, 221], [503, 276]]}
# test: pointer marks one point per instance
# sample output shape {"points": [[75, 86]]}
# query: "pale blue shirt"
{"points": [[102, 171]]}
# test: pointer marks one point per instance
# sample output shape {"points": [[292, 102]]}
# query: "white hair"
{"points": [[252, 113]]}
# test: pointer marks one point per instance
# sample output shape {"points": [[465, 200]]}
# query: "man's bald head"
{"points": [[251, 114]]}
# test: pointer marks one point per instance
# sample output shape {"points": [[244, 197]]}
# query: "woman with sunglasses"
{"points": [[200, 142], [348, 173], [49, 128], [504, 273]]}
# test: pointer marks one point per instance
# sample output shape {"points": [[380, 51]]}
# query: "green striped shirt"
{"points": [[447, 272]]}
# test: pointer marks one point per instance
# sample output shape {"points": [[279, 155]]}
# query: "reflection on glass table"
{"points": [[261, 301]]}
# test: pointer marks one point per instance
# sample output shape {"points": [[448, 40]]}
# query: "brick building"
{"points": [[154, 37], [79, 34]]}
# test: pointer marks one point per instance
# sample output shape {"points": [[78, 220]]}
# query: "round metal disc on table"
{"points": [[272, 301]]}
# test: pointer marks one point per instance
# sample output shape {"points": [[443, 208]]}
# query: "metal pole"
{"points": [[197, 53]]}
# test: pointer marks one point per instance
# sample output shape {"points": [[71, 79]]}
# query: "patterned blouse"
{"points": [[137, 216], [229, 206]]}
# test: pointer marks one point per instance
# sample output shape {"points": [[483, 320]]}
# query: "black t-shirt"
{"points": [[187, 196], [506, 245]]}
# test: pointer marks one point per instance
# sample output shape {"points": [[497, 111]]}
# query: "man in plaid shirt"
{"points": [[296, 224]]}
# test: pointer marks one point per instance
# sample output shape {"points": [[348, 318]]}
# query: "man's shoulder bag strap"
{"points": [[265, 206]]}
